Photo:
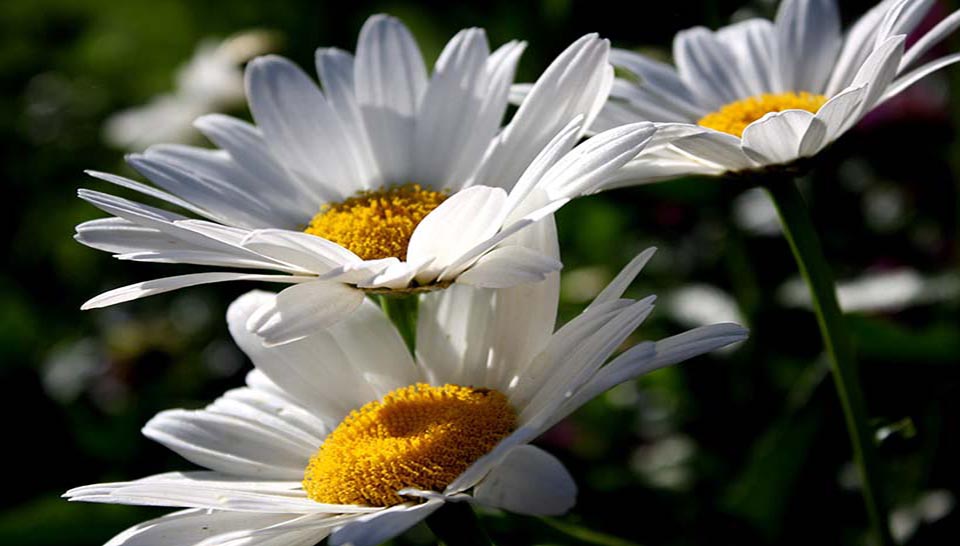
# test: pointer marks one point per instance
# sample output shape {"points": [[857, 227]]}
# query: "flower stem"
{"points": [[584, 535], [455, 524], [800, 233], [402, 312]]}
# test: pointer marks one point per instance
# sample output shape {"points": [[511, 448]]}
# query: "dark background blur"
{"points": [[744, 447]]}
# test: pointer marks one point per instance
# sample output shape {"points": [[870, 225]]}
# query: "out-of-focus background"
{"points": [[742, 447]]}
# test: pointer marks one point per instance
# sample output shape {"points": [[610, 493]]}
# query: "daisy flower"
{"points": [[387, 181], [337, 436], [758, 94]]}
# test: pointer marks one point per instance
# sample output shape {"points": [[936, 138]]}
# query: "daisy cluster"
{"points": [[396, 182]]}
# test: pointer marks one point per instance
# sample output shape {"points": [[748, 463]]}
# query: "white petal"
{"points": [[311, 307], [467, 218], [300, 128], [614, 291], [373, 529], [482, 336], [696, 342], [754, 44], [449, 128], [306, 251], [528, 481], [585, 169], [931, 38], [717, 148], [167, 284], [246, 147], [212, 180], [703, 62], [189, 527], [808, 35], [390, 81], [877, 73], [336, 69], [508, 266], [244, 433], [576, 83], [776, 137], [334, 370], [837, 111], [211, 491], [660, 78], [573, 355], [902, 83]]}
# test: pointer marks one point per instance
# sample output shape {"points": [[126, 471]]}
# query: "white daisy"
{"points": [[335, 435], [759, 94], [387, 180]]}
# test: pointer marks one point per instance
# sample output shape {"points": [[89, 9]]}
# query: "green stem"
{"points": [[584, 535], [402, 311], [455, 524], [800, 233]]}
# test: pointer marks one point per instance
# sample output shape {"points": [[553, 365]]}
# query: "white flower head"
{"points": [[387, 180], [761, 94], [339, 435]]}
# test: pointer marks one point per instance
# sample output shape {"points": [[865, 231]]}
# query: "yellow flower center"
{"points": [[376, 224], [733, 118], [419, 436]]}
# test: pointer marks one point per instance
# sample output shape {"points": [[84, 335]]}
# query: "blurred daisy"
{"points": [[212, 81], [387, 181], [760, 94], [335, 435]]}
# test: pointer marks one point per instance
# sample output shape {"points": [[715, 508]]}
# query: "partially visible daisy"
{"points": [[339, 436], [759, 94], [211, 81], [386, 181]]}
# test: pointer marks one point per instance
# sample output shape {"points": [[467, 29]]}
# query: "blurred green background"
{"points": [[746, 446]]}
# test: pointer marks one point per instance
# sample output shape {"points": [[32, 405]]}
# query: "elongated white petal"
{"points": [[930, 39], [528, 481], [300, 128], [720, 149], [703, 63], [334, 370], [373, 529], [576, 83], [838, 111], [390, 81], [902, 83], [508, 266], [308, 308], [167, 284], [585, 169], [776, 137], [465, 219], [450, 128], [190, 527], [614, 291], [309, 252], [808, 35]]}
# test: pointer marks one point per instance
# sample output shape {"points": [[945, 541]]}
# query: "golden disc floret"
{"points": [[733, 118], [378, 223], [418, 436]]}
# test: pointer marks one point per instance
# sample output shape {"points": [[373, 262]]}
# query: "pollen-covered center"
{"points": [[376, 224], [419, 436], [733, 118]]}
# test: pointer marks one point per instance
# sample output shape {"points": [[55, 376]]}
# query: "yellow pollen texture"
{"points": [[376, 224], [419, 436], [733, 118]]}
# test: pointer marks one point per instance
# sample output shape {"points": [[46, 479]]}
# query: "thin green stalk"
{"points": [[455, 524], [584, 535], [402, 311], [800, 233]]}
